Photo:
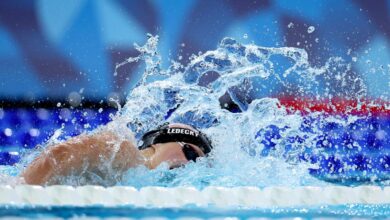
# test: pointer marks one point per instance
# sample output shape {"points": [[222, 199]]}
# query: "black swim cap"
{"points": [[165, 134]]}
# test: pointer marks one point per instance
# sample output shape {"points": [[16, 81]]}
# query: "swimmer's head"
{"points": [[175, 143]]}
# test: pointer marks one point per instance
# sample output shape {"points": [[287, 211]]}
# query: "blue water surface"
{"points": [[334, 212]]}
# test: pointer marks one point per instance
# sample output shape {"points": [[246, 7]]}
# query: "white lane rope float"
{"points": [[181, 196]]}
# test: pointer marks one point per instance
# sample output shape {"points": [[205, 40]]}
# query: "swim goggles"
{"points": [[165, 134]]}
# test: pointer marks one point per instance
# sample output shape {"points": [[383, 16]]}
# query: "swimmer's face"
{"points": [[172, 152]]}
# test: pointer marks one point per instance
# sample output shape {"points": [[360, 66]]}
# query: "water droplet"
{"points": [[34, 132], [8, 132], [74, 99], [43, 114], [311, 29], [380, 134]]}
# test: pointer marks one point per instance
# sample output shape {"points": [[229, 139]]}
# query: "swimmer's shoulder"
{"points": [[117, 128]]}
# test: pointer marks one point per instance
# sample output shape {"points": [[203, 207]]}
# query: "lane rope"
{"points": [[181, 196]]}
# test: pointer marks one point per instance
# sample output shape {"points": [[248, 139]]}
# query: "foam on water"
{"points": [[252, 76]]}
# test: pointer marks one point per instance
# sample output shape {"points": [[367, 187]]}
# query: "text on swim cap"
{"points": [[182, 131]]}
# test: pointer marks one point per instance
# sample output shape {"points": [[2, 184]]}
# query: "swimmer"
{"points": [[175, 144]]}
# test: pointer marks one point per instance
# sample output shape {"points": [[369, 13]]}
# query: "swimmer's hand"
{"points": [[85, 153]]}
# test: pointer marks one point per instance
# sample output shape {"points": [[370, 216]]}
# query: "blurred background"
{"points": [[61, 50], [57, 56]]}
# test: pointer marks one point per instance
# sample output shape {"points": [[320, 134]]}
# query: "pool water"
{"points": [[129, 212]]}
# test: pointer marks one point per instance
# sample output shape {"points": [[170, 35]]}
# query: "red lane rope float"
{"points": [[337, 106]]}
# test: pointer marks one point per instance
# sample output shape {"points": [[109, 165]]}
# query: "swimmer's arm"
{"points": [[80, 153]]}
